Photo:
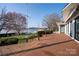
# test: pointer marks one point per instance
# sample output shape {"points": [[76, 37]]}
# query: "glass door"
{"points": [[62, 29], [77, 28]]}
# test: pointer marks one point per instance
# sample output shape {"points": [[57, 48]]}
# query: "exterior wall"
{"points": [[69, 28], [67, 12], [69, 16]]}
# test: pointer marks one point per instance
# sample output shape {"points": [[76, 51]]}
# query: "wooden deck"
{"points": [[50, 45]]}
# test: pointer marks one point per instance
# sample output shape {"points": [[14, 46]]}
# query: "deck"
{"points": [[50, 45]]}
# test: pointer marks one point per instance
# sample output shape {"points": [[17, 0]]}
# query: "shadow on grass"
{"points": [[47, 45]]}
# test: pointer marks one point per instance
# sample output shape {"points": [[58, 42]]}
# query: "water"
{"points": [[32, 30]]}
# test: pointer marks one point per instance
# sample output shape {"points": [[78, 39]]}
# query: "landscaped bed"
{"points": [[15, 39], [22, 38]]}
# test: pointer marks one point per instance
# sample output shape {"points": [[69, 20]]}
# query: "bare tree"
{"points": [[15, 22], [2, 18], [12, 21], [50, 21]]}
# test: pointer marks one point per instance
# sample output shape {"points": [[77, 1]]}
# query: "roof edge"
{"points": [[66, 6]]}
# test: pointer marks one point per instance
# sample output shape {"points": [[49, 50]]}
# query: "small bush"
{"points": [[31, 36], [40, 33], [22, 40], [49, 31], [8, 41]]}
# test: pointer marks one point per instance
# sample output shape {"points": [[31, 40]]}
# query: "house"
{"points": [[71, 20]]}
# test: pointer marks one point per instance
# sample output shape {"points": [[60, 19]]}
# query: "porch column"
{"points": [[65, 28], [69, 28], [73, 32], [59, 28]]}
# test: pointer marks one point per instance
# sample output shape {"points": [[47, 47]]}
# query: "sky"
{"points": [[35, 11]]}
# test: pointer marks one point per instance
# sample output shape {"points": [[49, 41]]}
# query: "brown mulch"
{"points": [[53, 44]]}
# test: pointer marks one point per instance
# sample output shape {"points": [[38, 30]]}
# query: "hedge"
{"points": [[15, 40], [40, 33], [8, 41], [7, 35]]}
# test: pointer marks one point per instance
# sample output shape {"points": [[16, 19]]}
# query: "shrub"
{"points": [[8, 41], [40, 33], [49, 31], [12, 41], [26, 40], [31, 36], [7, 34], [22, 40]]}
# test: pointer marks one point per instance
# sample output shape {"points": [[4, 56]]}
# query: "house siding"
{"points": [[71, 27]]}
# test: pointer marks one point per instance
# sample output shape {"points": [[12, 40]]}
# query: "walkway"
{"points": [[50, 45]]}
